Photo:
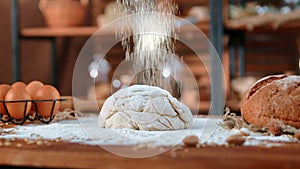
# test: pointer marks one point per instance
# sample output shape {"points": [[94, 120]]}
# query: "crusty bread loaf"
{"points": [[274, 97]]}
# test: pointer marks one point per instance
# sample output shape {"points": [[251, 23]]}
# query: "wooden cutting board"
{"points": [[72, 155]]}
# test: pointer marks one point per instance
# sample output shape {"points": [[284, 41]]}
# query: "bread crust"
{"points": [[273, 98]]}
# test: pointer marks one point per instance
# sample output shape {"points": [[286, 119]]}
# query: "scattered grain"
{"points": [[275, 129], [39, 142], [235, 140], [297, 136], [244, 132], [7, 143], [191, 141]]}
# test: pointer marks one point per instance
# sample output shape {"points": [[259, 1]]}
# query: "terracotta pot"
{"points": [[64, 13]]}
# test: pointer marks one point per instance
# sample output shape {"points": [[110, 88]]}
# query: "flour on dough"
{"points": [[143, 107]]}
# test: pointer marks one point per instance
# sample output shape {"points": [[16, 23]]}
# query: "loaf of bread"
{"points": [[273, 98]]}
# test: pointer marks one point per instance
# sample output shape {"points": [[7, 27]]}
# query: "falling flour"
{"points": [[151, 24]]}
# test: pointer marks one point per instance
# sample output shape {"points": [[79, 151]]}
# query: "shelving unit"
{"points": [[50, 34], [213, 29], [38, 33], [237, 33], [17, 36]]}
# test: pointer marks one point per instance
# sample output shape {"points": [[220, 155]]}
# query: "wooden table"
{"points": [[71, 155], [62, 154]]}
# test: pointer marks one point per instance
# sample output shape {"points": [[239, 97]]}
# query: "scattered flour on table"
{"points": [[86, 131]]}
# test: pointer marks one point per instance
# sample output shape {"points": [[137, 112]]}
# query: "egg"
{"points": [[47, 92], [3, 90], [19, 84], [33, 86], [17, 109]]}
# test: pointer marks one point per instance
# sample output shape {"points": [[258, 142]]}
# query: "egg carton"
{"points": [[31, 116]]}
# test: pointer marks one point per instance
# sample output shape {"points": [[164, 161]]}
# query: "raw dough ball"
{"points": [[143, 107]]}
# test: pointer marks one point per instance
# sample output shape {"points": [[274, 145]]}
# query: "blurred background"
{"points": [[259, 38]]}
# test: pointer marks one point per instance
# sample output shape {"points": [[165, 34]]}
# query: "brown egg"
{"points": [[19, 84], [3, 90], [16, 109], [33, 86], [47, 92]]}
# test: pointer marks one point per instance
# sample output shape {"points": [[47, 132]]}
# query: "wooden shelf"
{"points": [[83, 31], [58, 32], [288, 27]]}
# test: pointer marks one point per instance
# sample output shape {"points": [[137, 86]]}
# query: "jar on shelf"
{"points": [[64, 13]]}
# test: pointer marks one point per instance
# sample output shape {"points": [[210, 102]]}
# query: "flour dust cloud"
{"points": [[146, 34]]}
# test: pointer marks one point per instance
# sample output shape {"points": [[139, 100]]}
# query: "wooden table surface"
{"points": [[62, 154], [73, 155]]}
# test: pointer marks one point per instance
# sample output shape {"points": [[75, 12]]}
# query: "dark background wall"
{"points": [[35, 54], [265, 54]]}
